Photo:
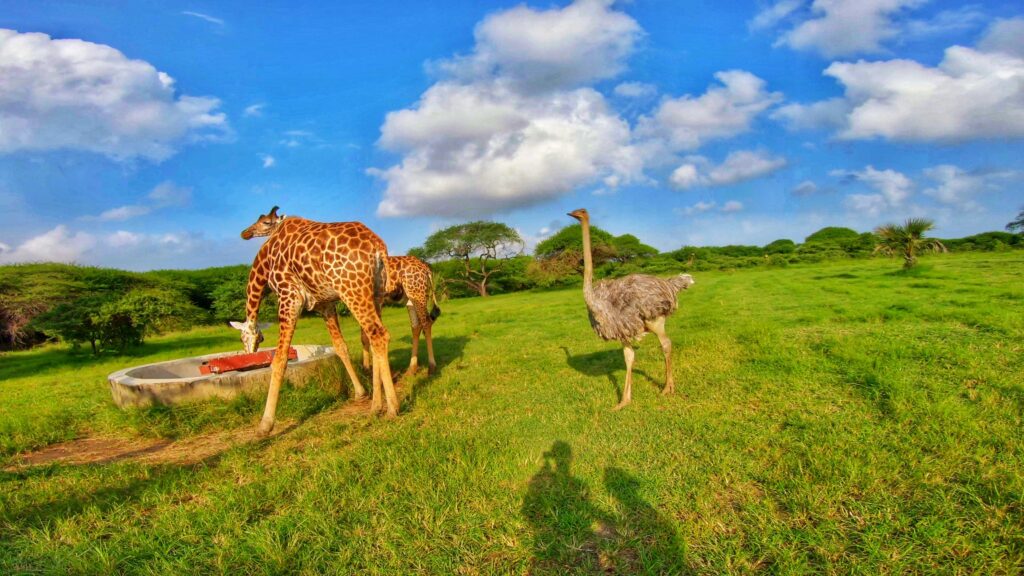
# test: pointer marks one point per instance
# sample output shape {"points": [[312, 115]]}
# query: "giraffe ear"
{"points": [[236, 325]]}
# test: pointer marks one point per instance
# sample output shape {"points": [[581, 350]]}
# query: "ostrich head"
{"points": [[686, 281], [580, 215], [264, 225], [252, 334]]}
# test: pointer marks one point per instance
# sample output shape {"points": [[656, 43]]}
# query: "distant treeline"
{"points": [[104, 309]]}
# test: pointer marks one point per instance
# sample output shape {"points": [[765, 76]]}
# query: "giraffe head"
{"points": [[264, 226], [252, 334]]}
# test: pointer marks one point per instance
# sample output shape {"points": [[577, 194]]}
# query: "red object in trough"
{"points": [[243, 362]]}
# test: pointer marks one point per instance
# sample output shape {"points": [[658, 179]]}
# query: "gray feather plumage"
{"points": [[620, 307]]}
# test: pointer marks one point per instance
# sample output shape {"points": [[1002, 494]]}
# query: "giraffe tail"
{"points": [[385, 279]]}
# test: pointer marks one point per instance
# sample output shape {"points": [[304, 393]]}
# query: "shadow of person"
{"points": [[558, 510], [647, 543]]}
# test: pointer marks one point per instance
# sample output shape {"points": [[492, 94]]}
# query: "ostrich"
{"points": [[626, 309]]}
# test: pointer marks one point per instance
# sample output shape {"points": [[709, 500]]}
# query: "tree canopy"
{"points": [[481, 246], [833, 234]]}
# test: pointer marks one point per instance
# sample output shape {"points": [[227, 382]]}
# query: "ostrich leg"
{"points": [[627, 388], [657, 327]]}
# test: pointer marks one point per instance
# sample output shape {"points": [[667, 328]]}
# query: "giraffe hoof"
{"points": [[432, 370]]}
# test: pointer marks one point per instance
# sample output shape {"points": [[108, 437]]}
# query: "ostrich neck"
{"points": [[588, 261]]}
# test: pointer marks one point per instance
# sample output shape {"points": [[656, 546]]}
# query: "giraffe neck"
{"points": [[258, 277]]}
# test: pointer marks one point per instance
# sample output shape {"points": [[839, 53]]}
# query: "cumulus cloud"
{"points": [[77, 95], [872, 205], [268, 160], [206, 17], [513, 123], [124, 212], [56, 245], [738, 166], [957, 187], [971, 94], [550, 49], [687, 122], [895, 187], [845, 27], [945, 22]]}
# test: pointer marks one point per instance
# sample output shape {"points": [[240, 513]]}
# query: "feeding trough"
{"points": [[223, 375]]}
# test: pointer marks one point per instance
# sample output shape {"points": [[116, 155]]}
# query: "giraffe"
{"points": [[414, 283], [316, 264]]}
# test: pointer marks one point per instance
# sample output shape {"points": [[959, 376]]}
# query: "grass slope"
{"points": [[836, 418]]}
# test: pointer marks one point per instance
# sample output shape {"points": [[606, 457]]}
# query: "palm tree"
{"points": [[1018, 224], [907, 240]]}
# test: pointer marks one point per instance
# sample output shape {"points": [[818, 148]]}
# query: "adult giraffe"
{"points": [[314, 265]]}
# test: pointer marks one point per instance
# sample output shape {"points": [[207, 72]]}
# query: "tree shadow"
{"points": [[19, 365], [123, 489]]}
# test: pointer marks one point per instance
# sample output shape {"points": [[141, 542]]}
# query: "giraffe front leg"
{"points": [[288, 314], [341, 349]]}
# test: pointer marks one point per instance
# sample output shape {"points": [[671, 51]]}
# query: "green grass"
{"points": [[838, 418]]}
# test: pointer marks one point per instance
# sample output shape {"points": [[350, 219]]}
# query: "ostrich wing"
{"points": [[620, 307]]}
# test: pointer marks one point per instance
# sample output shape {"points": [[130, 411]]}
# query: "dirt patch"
{"points": [[98, 450]]}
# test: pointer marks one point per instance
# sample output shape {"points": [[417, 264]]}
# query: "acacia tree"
{"points": [[1018, 224], [907, 240], [482, 247]]}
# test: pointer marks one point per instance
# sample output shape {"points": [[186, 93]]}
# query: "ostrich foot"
{"points": [[263, 430], [620, 405], [669, 388]]}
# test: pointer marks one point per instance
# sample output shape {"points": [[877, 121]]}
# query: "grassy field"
{"points": [[841, 418]]}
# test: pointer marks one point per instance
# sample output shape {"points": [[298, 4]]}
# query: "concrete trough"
{"points": [[179, 381]]}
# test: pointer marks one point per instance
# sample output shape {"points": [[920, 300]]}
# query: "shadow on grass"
{"points": [[19, 365], [573, 536], [605, 363], [47, 509]]}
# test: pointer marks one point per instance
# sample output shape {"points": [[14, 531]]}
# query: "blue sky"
{"points": [[148, 135]]}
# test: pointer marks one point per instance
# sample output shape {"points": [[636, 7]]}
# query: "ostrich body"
{"points": [[626, 309]]}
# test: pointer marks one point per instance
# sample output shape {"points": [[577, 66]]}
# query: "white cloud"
{"points": [[824, 115], [732, 206], [167, 193], [206, 17], [254, 110], [635, 90], [163, 195], [738, 166], [698, 208], [805, 188], [478, 148], [56, 245], [772, 15], [268, 160], [550, 49], [1005, 36], [844, 27], [511, 124], [124, 213], [957, 187], [866, 204], [77, 95], [945, 22], [894, 186], [686, 123]]}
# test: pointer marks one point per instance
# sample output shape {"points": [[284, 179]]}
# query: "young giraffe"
{"points": [[413, 281], [316, 264]]}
